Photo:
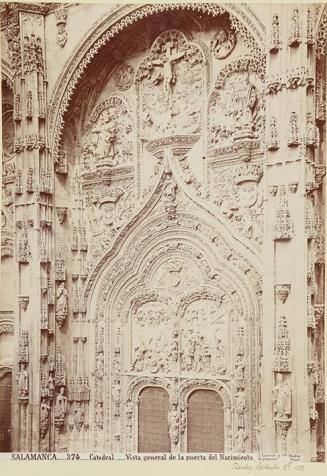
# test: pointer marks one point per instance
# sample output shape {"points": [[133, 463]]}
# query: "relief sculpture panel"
{"points": [[171, 87]]}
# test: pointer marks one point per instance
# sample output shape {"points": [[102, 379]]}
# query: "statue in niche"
{"points": [[78, 416], [99, 365], [116, 396], [22, 382], [282, 398], [61, 306], [198, 353], [44, 417], [240, 408], [218, 362], [246, 115], [188, 354], [94, 217], [138, 362], [99, 416], [61, 405], [240, 439], [51, 386], [223, 43], [239, 371]]}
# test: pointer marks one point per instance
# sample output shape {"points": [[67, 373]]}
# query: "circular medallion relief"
{"points": [[223, 43], [123, 76]]}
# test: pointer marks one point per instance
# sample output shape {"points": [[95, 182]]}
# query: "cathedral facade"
{"points": [[163, 217]]}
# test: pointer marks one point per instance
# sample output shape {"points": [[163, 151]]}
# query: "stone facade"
{"points": [[163, 227]]}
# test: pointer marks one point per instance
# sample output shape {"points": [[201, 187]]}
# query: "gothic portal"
{"points": [[163, 203]]}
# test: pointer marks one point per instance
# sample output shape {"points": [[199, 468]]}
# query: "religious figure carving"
{"points": [[246, 116], [78, 416], [116, 397], [240, 408], [123, 76], [61, 405], [99, 369], [167, 105], [108, 141], [99, 416], [239, 371], [312, 132], [223, 43], [61, 305], [240, 440], [44, 417], [282, 398], [22, 382], [235, 108]]}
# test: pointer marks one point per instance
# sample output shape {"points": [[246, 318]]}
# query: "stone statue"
{"points": [[99, 366], [22, 382], [240, 439], [51, 387], [240, 408], [44, 410], [78, 416], [61, 405], [282, 398], [44, 417], [99, 416], [61, 307]]}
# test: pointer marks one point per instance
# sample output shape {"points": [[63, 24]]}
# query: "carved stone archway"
{"points": [[138, 326], [243, 19]]}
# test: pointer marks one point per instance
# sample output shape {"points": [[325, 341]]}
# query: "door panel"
{"points": [[205, 422], [153, 435], [5, 412]]}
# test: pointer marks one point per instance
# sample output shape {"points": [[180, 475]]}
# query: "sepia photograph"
{"points": [[162, 278]]}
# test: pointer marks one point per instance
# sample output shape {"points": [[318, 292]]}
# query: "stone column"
{"points": [[33, 221], [291, 141]]}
